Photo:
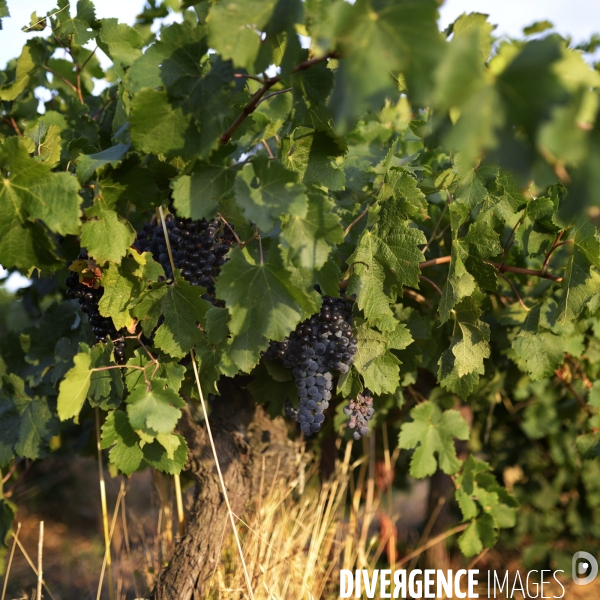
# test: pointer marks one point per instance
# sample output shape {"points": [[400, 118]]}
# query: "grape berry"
{"points": [[360, 412], [199, 249], [102, 327], [319, 345]]}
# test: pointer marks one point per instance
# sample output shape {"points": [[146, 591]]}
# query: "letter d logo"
{"points": [[581, 562]]}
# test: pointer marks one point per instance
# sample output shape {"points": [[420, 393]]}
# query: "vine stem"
{"points": [[441, 260], [511, 240], [101, 109], [246, 76], [514, 289], [13, 124], [557, 244], [573, 391], [267, 84], [64, 79], [221, 480], [235, 235], [277, 93], [431, 283], [362, 214], [439, 221]]}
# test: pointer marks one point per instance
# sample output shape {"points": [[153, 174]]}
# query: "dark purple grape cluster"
{"points": [[319, 345], [360, 411], [103, 327], [199, 248]]}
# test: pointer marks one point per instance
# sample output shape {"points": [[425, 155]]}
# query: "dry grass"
{"points": [[295, 540]]}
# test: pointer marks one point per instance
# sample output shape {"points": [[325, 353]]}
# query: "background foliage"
{"points": [[447, 181]]}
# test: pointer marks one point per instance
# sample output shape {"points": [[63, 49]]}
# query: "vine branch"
{"points": [[284, 91], [431, 283], [267, 84], [101, 109], [362, 214], [514, 289], [11, 121], [557, 244], [573, 391], [432, 236], [246, 76]]}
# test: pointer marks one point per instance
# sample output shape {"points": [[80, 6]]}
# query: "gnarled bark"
{"points": [[244, 437]]}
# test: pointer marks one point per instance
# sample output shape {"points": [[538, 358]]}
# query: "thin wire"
{"points": [[42, 19], [214, 450], [164, 226]]}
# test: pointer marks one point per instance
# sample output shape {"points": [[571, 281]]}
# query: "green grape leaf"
{"points": [[27, 64], [45, 143], [118, 435], [310, 238], [197, 195], [148, 307], [28, 247], [267, 390], [581, 283], [537, 232], [130, 183], [377, 40], [461, 365], [81, 26], [106, 382], [106, 234], [168, 369], [155, 410], [310, 153], [478, 491], [468, 270], [73, 389], [234, 29], [594, 397], [540, 350], [404, 187], [123, 284], [216, 324], [265, 189], [157, 127], [156, 456], [183, 309], [26, 424], [248, 284], [31, 191], [478, 534], [374, 361], [8, 510], [430, 433], [177, 38], [214, 360], [120, 42], [385, 259], [4, 12], [87, 164]]}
